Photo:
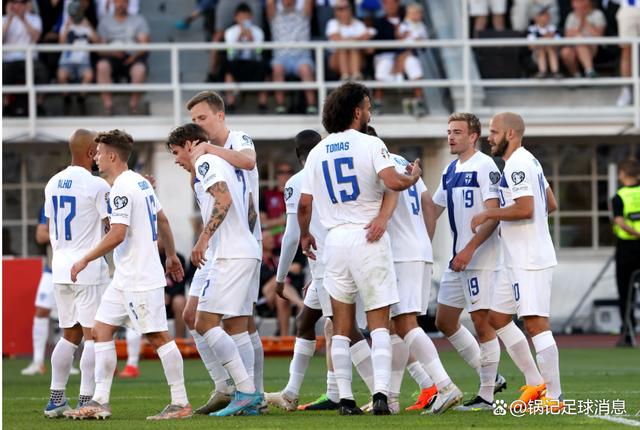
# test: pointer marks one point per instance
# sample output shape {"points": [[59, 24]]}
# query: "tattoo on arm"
{"points": [[220, 209], [253, 215]]}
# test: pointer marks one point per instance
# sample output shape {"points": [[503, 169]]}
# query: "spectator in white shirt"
{"points": [[584, 21], [628, 18], [546, 56], [345, 27]]}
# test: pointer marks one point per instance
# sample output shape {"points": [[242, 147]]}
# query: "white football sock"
{"points": [[341, 356], [399, 357], [421, 346], [489, 359], [467, 346], [40, 333], [419, 375], [245, 349], [332, 387], [225, 350], [173, 370], [258, 361], [106, 361], [218, 374], [361, 358], [61, 360], [518, 349], [549, 362], [87, 369], [133, 347], [303, 350]]}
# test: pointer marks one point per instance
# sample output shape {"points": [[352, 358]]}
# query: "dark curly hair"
{"points": [[191, 132], [340, 106], [119, 141]]}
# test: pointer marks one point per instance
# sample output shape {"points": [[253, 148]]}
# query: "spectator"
{"points": [[411, 29], [291, 23], [245, 65], [628, 18], [546, 56], [584, 21], [479, 11], [108, 7], [20, 27], [523, 11], [347, 62], [272, 206], [268, 272], [386, 28], [122, 28], [76, 65]]}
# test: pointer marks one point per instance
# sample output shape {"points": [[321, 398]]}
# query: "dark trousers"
{"points": [[625, 266]]}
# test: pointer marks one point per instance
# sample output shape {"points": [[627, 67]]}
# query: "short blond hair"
{"points": [[473, 123]]}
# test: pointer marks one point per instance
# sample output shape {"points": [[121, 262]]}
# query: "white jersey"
{"points": [[341, 173], [463, 190], [527, 242], [409, 238], [204, 200], [137, 260], [239, 141], [75, 204], [232, 239]]}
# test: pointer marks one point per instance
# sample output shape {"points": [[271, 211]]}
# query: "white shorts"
{"points": [[45, 297], [255, 287], [523, 292], [481, 7], [317, 298], [471, 289], [628, 21], [383, 67], [200, 278], [414, 286], [316, 267], [354, 266], [229, 290], [144, 309], [78, 303]]}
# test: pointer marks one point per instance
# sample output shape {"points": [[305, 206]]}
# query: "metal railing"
{"points": [[175, 86]]}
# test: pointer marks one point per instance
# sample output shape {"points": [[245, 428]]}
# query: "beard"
{"points": [[500, 147]]}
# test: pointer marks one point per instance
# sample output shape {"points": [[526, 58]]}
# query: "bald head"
{"points": [[510, 121], [82, 147]]}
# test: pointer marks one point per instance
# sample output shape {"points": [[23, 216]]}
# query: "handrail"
{"points": [[175, 86]]}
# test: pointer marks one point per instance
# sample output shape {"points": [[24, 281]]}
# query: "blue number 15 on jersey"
{"points": [[339, 167]]}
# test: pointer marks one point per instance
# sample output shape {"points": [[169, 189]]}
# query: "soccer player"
{"points": [[469, 185], [346, 175], [75, 206], [136, 292], [525, 202], [228, 233]]}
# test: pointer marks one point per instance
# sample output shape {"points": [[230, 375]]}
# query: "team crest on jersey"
{"points": [[203, 168], [494, 177], [385, 152], [288, 192], [517, 177], [247, 139], [468, 176], [120, 201]]}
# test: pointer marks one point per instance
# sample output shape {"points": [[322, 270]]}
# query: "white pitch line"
{"points": [[618, 420]]}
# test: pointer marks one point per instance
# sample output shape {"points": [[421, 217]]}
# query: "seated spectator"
{"points": [[291, 23], [272, 206], [546, 56], [523, 11], [122, 28], [411, 29], [479, 11], [583, 21], [245, 65], [20, 27], [108, 7], [75, 66], [347, 62], [628, 17]]}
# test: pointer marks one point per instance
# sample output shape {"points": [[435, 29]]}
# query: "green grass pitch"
{"points": [[594, 374]]}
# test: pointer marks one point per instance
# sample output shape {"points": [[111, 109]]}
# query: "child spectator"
{"points": [[344, 27], [411, 29], [584, 21], [546, 56], [245, 65], [75, 66]]}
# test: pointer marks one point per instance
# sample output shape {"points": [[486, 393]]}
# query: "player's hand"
{"points": [[280, 290], [375, 229], [197, 255], [78, 267], [308, 244], [461, 260], [478, 220], [198, 149], [174, 268], [414, 169], [152, 180]]}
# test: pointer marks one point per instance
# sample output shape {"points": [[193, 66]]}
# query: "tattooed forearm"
{"points": [[220, 192], [253, 215]]}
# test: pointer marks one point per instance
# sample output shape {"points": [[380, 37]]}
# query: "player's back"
{"points": [[233, 239], [527, 242], [342, 176], [409, 238], [137, 260], [75, 204], [292, 197]]}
